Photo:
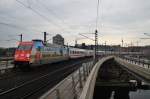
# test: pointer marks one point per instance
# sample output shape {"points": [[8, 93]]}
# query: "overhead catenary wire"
{"points": [[9, 40], [97, 14], [10, 25], [97, 17], [7, 19], [15, 26], [39, 14], [86, 37], [51, 11], [54, 14]]}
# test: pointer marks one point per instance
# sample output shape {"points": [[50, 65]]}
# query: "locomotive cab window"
{"points": [[24, 47]]}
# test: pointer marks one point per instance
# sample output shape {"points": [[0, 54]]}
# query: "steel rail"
{"points": [[36, 79], [44, 85]]}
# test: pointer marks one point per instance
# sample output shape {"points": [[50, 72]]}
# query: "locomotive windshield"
{"points": [[24, 47]]}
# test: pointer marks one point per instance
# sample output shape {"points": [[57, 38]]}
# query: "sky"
{"points": [[117, 20]]}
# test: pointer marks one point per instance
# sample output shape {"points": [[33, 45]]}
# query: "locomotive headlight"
{"points": [[28, 55], [16, 55]]}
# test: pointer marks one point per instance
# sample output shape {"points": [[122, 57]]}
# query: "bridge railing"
{"points": [[136, 61], [89, 86], [71, 86], [5, 64]]}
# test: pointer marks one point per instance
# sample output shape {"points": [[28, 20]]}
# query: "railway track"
{"points": [[27, 88]]}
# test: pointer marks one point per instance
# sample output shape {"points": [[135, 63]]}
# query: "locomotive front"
{"points": [[23, 53]]}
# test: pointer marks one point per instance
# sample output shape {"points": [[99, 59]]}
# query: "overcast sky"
{"points": [[118, 19]]}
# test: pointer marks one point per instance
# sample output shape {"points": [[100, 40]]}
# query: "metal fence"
{"points": [[71, 87], [5, 64], [138, 62]]}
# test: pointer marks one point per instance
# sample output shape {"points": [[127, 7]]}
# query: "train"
{"points": [[35, 52]]}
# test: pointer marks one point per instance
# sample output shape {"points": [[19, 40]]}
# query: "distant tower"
{"points": [[122, 42], [58, 39], [75, 42], [20, 37]]}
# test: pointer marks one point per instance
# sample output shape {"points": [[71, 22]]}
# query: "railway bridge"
{"points": [[111, 72]]}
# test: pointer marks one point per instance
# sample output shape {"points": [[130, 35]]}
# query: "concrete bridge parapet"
{"points": [[88, 89]]}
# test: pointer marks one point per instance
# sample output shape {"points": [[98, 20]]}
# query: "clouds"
{"points": [[126, 12], [130, 17], [117, 19]]}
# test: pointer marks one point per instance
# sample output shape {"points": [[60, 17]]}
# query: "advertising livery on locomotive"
{"points": [[35, 53]]}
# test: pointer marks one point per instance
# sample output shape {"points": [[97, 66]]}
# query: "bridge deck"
{"points": [[139, 71]]}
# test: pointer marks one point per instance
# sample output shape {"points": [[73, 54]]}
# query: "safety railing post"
{"points": [[88, 68], [139, 61], [6, 64], [84, 75], [80, 79], [143, 63], [58, 94], [87, 73], [74, 87]]}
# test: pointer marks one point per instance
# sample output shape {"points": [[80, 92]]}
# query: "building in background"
{"points": [[146, 51], [58, 39]]}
